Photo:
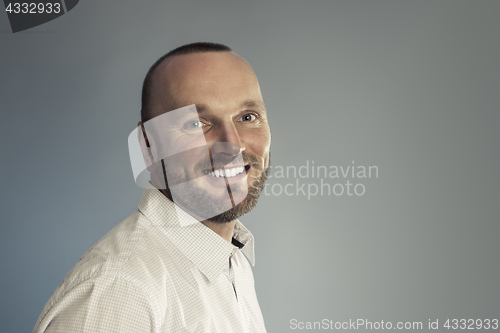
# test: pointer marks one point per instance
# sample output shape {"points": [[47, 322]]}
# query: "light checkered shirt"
{"points": [[150, 274]]}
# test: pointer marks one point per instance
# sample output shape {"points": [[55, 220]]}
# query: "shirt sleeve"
{"points": [[106, 304]]}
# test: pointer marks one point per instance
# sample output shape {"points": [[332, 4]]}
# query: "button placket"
{"points": [[231, 275]]}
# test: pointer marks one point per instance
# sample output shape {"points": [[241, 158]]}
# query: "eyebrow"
{"points": [[254, 104], [201, 108]]}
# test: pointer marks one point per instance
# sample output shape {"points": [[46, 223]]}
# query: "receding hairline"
{"points": [[193, 48], [161, 73], [164, 63]]}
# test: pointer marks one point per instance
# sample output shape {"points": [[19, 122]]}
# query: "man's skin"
{"points": [[231, 109]]}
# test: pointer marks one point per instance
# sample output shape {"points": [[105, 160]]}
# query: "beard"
{"points": [[202, 205], [249, 203]]}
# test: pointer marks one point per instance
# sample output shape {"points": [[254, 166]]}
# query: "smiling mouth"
{"points": [[227, 172]]}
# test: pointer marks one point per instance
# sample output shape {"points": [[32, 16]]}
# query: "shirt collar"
{"points": [[208, 251]]}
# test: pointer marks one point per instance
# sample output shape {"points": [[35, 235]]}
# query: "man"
{"points": [[177, 264]]}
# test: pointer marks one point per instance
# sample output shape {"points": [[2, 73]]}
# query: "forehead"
{"points": [[211, 78]]}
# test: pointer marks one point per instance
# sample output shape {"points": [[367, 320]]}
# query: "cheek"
{"points": [[186, 143], [186, 161], [260, 145]]}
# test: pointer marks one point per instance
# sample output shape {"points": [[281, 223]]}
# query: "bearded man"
{"points": [[177, 264]]}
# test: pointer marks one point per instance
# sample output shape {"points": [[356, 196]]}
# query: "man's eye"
{"points": [[193, 124], [248, 117]]}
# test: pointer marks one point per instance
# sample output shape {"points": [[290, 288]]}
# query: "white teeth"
{"points": [[226, 172]]}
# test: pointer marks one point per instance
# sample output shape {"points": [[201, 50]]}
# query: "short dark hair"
{"points": [[199, 47]]}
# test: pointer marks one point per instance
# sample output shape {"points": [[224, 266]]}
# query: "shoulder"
{"points": [[132, 250], [126, 266], [101, 303]]}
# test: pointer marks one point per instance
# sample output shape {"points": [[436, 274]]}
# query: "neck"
{"points": [[225, 230]]}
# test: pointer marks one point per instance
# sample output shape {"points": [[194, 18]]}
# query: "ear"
{"points": [[145, 145], [156, 169], [140, 124]]}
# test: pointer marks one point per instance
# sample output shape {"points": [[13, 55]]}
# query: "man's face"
{"points": [[235, 135]]}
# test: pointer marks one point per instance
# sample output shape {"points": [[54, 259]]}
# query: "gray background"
{"points": [[409, 86]]}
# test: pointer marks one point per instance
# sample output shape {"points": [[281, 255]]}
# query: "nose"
{"points": [[227, 141]]}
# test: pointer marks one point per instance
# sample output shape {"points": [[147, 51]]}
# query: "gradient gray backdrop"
{"points": [[409, 86]]}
